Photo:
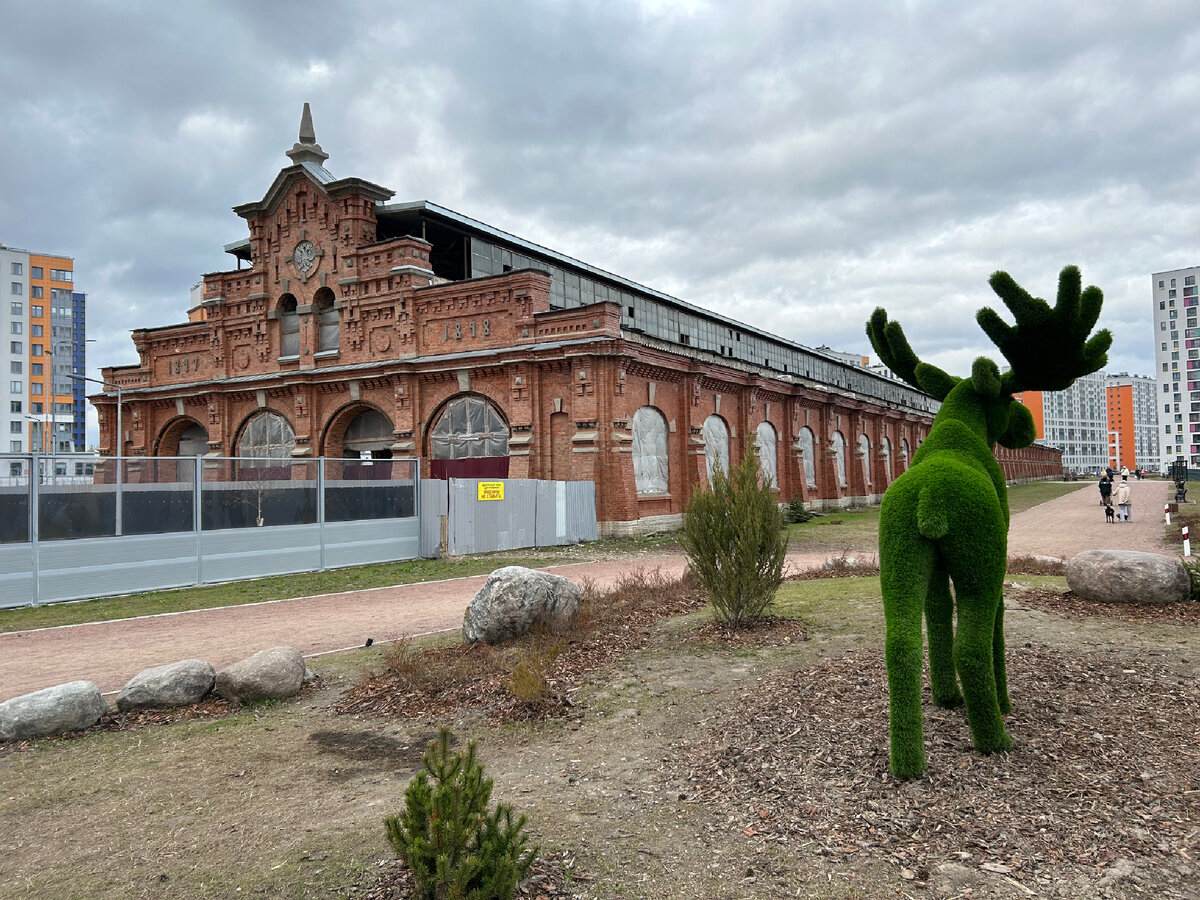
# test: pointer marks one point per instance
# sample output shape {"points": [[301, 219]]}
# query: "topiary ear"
{"points": [[985, 378], [1020, 431]]}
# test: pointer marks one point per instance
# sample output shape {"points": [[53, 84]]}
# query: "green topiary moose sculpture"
{"points": [[946, 518]]}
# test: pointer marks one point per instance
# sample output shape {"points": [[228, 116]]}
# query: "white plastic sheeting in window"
{"points": [[268, 435], [839, 456], [328, 324], [650, 451], [469, 427], [371, 432], [716, 445], [864, 451], [904, 454], [808, 449], [765, 441]]}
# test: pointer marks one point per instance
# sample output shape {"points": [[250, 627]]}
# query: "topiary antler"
{"points": [[1047, 348], [895, 352]]}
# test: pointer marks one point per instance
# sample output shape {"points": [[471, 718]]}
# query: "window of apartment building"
{"points": [[15, 447], [18, 288], [18, 268], [65, 275], [1162, 304], [14, 367], [35, 350], [35, 408], [14, 406], [35, 291], [1166, 407], [1164, 365], [18, 308], [1174, 354], [35, 311], [1160, 284], [16, 347], [1162, 326], [1178, 397], [35, 369], [36, 389], [14, 428], [35, 331], [36, 272], [1164, 345], [16, 387], [1173, 313], [1172, 282], [16, 327]]}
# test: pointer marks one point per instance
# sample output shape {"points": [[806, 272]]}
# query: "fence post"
{"points": [[198, 516], [35, 476], [321, 508]]}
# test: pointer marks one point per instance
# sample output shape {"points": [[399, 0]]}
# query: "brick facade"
{"points": [[373, 327]]}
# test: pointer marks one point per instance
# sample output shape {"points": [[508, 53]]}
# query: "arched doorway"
{"points": [[368, 442]]}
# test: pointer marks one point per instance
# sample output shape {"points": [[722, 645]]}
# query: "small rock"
{"points": [[53, 710]]}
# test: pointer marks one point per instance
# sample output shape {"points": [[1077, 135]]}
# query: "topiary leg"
{"points": [[939, 622], [998, 664], [906, 563], [974, 661]]}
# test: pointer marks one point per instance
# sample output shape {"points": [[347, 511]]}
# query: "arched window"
{"points": [[193, 441], [369, 432], [328, 327], [839, 456], [808, 444], [289, 327], [864, 451], [903, 454], [716, 445], [885, 450], [765, 442], [469, 427], [267, 436], [650, 451]]}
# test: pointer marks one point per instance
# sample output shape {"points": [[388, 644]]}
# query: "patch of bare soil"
{"points": [[761, 632], [1101, 796], [545, 881], [1070, 605]]}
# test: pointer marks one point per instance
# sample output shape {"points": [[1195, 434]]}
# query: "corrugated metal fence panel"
{"points": [[434, 505], [95, 567], [16, 575], [581, 511], [489, 525], [373, 541], [234, 553]]}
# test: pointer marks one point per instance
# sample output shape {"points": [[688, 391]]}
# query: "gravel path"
{"points": [[110, 653]]}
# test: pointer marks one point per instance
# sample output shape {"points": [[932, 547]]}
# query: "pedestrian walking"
{"points": [[1124, 503], [1105, 492]]}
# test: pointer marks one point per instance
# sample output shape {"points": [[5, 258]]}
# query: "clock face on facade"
{"points": [[304, 256]]}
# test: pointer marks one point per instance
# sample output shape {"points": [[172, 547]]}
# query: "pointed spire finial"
{"points": [[307, 149]]}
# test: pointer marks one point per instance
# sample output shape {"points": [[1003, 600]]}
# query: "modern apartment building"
{"points": [[1133, 422], [1074, 420], [43, 319], [1177, 363]]}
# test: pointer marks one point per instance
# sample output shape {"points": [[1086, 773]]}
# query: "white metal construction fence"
{"points": [[170, 522], [528, 513]]}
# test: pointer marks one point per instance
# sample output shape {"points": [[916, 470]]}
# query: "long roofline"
{"points": [[436, 209]]}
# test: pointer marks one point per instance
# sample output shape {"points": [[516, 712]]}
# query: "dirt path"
{"points": [[110, 653]]}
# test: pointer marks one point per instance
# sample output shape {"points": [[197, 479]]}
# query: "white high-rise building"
{"points": [[1177, 363]]}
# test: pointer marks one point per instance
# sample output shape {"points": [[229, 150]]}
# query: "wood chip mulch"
{"points": [[764, 631], [1106, 769], [581, 653], [545, 881], [1070, 605]]}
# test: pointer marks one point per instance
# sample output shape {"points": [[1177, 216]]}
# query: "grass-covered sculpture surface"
{"points": [[946, 518]]}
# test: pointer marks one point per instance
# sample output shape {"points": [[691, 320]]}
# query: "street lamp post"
{"points": [[120, 438]]}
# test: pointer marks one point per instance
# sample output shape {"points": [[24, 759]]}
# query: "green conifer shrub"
{"points": [[453, 846], [734, 538], [795, 513]]}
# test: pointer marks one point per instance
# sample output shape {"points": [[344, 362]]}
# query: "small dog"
{"points": [[1108, 515]]}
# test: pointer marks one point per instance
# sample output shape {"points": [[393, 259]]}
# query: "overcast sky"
{"points": [[790, 164]]}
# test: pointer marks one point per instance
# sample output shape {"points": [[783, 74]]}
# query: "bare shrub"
{"points": [[526, 679]]}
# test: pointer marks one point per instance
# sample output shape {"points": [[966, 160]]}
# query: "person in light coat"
{"points": [[1124, 503]]}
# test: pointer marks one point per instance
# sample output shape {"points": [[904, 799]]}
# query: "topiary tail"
{"points": [[933, 519]]}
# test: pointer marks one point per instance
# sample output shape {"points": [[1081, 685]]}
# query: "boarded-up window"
{"points": [[469, 427], [839, 456], [328, 327], [369, 433], [650, 451], [765, 440], [716, 445], [808, 445]]}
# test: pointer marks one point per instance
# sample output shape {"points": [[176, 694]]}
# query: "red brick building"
{"points": [[353, 325]]}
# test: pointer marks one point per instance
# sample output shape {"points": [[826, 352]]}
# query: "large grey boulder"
{"points": [[267, 675], [53, 710], [1128, 576], [515, 599], [175, 684]]}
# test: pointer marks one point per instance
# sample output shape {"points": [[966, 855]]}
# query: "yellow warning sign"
{"points": [[491, 490]]}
